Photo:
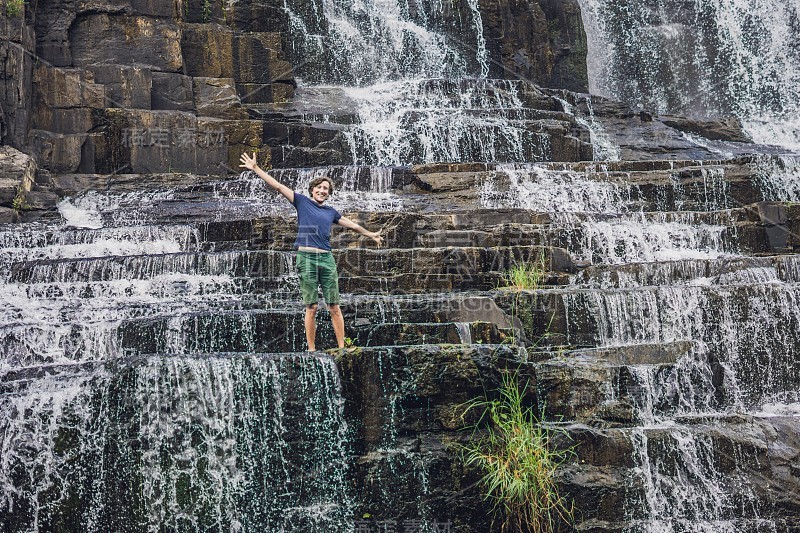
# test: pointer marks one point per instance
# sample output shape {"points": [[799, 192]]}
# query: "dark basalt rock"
{"points": [[542, 41], [728, 129], [17, 47], [405, 405], [216, 97], [102, 38], [125, 87], [172, 92], [17, 176]]}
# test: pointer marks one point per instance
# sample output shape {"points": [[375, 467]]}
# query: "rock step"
{"points": [[742, 525], [587, 315], [111, 140], [447, 356], [190, 287], [620, 386], [721, 271], [530, 186], [422, 94], [731, 451], [631, 238], [521, 117], [114, 326], [749, 332], [255, 332], [735, 448], [378, 272], [636, 385], [518, 227], [681, 174], [394, 266]]}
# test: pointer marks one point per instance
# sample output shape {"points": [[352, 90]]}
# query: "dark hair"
{"points": [[317, 181]]}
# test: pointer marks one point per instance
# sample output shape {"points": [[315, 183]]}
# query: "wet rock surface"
{"points": [[435, 325], [154, 319]]}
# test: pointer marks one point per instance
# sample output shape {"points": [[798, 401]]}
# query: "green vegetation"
{"points": [[206, 13], [19, 203], [525, 275], [518, 462], [14, 7]]}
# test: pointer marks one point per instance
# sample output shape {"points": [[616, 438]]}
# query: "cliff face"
{"points": [[542, 41], [17, 50], [161, 312], [106, 87]]}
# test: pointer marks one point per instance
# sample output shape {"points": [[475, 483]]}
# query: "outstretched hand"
{"points": [[377, 238], [248, 162]]}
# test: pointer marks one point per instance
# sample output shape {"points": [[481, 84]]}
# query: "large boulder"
{"points": [[726, 129]]}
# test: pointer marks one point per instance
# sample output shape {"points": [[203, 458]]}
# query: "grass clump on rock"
{"points": [[14, 7], [518, 462], [525, 275]]}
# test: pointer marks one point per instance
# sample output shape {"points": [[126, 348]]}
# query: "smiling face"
{"points": [[320, 191]]}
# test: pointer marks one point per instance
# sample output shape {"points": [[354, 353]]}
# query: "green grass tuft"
{"points": [[518, 462], [525, 275], [14, 7]]}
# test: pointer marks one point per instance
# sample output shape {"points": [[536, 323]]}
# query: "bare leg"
{"points": [[311, 326], [338, 323]]}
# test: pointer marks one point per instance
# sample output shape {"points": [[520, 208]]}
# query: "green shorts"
{"points": [[318, 270]]}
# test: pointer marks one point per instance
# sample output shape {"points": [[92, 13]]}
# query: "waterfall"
{"points": [[669, 268], [367, 188], [368, 42], [599, 220], [604, 148], [149, 371], [779, 177], [239, 443], [415, 74], [704, 58]]}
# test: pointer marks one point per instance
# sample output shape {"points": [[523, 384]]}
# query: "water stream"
{"points": [[706, 58], [672, 276]]}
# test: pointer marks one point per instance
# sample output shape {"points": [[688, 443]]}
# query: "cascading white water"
{"points": [[705, 58], [191, 432], [367, 42], [415, 73], [779, 178], [599, 221], [669, 271], [737, 322], [423, 121], [367, 188], [604, 148], [239, 443]]}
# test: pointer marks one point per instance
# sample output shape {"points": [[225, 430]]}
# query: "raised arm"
{"points": [[250, 164], [349, 224]]}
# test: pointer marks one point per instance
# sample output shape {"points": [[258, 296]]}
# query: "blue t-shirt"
{"points": [[314, 222]]}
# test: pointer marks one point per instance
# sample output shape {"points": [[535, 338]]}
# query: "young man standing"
{"points": [[315, 264]]}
